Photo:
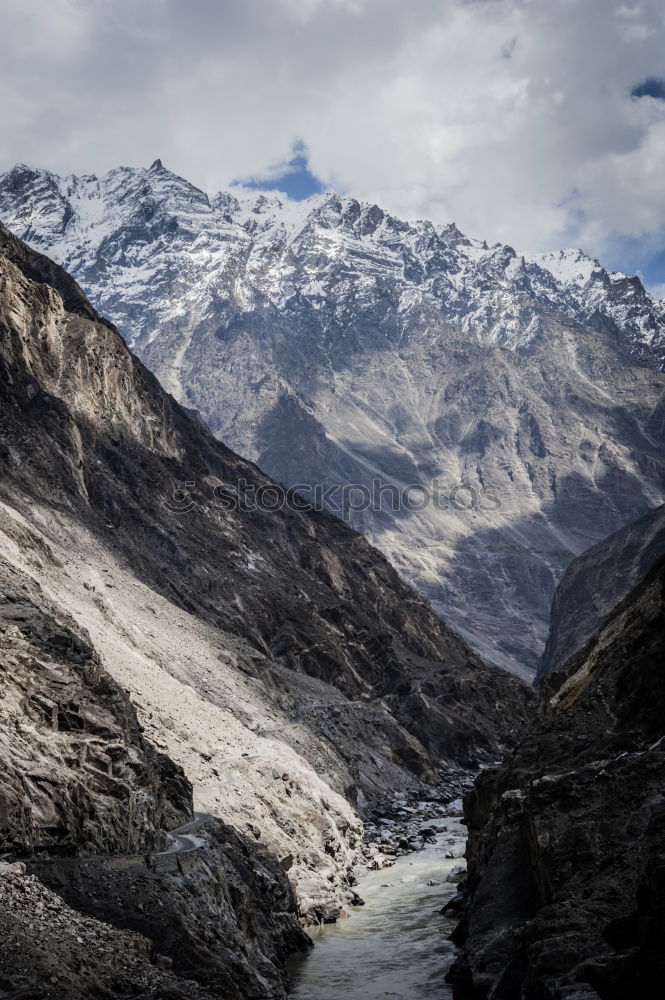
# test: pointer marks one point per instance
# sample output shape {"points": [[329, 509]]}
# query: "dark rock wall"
{"points": [[229, 924], [567, 838]]}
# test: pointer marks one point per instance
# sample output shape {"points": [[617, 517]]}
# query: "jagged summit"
{"points": [[452, 269]]}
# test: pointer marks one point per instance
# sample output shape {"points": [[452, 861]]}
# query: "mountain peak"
{"points": [[77, 214], [386, 331]]}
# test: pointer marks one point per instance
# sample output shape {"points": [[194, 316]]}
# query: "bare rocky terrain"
{"points": [[566, 846], [275, 660], [597, 581], [77, 772], [334, 344], [114, 927], [85, 801]]}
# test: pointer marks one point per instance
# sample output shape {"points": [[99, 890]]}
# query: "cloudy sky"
{"points": [[540, 123]]}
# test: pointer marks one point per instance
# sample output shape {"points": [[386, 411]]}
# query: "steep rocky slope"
{"points": [[597, 581], [85, 800], [274, 655], [567, 838], [76, 772], [107, 927], [334, 344]]}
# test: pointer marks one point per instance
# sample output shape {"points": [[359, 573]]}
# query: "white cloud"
{"points": [[512, 117]]}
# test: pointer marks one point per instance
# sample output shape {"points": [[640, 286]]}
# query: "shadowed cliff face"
{"points": [[597, 581], [226, 927], [567, 838]]}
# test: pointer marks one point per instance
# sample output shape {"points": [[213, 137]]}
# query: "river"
{"points": [[394, 946]]}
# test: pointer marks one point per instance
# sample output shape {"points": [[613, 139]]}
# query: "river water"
{"points": [[394, 946]]}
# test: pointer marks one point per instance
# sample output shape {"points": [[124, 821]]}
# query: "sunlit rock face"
{"points": [[334, 344]]}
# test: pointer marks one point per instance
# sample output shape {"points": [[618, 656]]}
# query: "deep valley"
{"points": [[219, 721]]}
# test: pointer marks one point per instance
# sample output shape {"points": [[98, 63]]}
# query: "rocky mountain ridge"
{"points": [[496, 414], [84, 220], [596, 582]]}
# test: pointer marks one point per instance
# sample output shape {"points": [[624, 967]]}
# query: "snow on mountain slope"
{"points": [[335, 344], [85, 220]]}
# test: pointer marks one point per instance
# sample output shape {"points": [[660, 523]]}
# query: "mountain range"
{"points": [[483, 416]]}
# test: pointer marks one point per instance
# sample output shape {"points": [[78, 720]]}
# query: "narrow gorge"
{"points": [[229, 727]]}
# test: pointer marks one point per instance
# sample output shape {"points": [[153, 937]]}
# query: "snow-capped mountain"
{"points": [[335, 344], [127, 228]]}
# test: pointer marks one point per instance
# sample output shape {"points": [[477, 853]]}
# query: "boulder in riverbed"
{"points": [[456, 874]]}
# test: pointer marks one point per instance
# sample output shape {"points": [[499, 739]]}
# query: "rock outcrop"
{"points": [[566, 842], [225, 921], [106, 928], [77, 775], [520, 398], [596, 582]]}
